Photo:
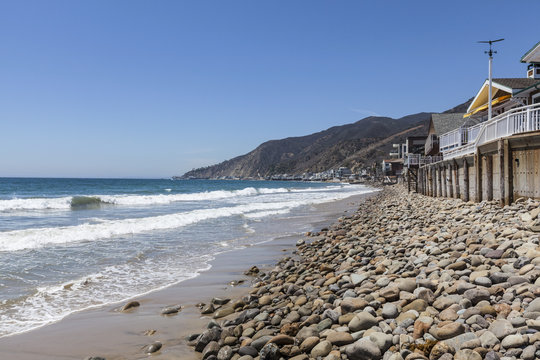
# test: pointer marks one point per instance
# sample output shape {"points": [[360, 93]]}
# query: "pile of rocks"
{"points": [[406, 277]]}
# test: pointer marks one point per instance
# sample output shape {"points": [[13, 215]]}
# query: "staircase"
{"points": [[412, 179]]}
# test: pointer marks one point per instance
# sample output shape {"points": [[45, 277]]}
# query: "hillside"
{"points": [[352, 145]]}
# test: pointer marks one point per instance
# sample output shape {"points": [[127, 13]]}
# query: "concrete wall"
{"points": [[496, 177], [525, 168], [519, 173]]}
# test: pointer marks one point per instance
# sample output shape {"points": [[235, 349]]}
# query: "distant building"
{"points": [[400, 150], [392, 167], [343, 172]]}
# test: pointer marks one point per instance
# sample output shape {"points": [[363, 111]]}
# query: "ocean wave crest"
{"points": [[39, 237], [93, 201]]}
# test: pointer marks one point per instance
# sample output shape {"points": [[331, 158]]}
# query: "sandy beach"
{"points": [[405, 277], [109, 333]]}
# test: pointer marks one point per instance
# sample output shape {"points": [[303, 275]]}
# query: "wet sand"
{"points": [[114, 335]]}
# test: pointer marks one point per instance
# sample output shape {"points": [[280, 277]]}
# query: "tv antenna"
{"points": [[490, 52]]}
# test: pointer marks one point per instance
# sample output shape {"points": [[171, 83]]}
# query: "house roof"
{"points": [[533, 55], [501, 87], [444, 123], [515, 83]]}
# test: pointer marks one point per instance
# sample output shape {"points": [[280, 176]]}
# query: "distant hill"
{"points": [[353, 145]]}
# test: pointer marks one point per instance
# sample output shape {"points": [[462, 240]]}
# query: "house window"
{"points": [[536, 99]]}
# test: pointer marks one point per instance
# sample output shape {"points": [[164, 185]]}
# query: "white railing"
{"points": [[418, 159], [515, 121]]}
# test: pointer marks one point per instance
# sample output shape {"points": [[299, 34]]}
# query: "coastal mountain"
{"points": [[354, 145]]}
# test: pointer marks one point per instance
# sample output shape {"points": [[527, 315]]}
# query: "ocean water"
{"points": [[71, 244]]}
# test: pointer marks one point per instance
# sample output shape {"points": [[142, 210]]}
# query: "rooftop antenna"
{"points": [[490, 53]]}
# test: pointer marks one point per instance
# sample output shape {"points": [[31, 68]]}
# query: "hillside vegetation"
{"points": [[353, 145]]}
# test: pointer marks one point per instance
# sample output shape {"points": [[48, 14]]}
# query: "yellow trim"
{"points": [[485, 106]]}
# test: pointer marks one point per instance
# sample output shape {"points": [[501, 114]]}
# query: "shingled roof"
{"points": [[516, 83], [443, 123]]}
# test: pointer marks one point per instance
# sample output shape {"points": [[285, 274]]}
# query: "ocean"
{"points": [[72, 244]]}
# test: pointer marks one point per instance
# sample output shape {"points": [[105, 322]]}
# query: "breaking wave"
{"points": [[92, 201]]}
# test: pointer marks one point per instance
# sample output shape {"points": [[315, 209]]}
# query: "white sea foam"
{"points": [[106, 229], [35, 204], [118, 283], [39, 237], [261, 214], [65, 203]]}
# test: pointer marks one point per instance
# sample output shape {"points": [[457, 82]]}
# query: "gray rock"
{"points": [[358, 278], [248, 350], [488, 340], [325, 324], [211, 349], [306, 332], [331, 314], [529, 353], [171, 310], [499, 277], [501, 328], [513, 341], [321, 349], [390, 311], [152, 348], [225, 353], [206, 337], [476, 295], [363, 349], [483, 281], [467, 354], [130, 305], [245, 357], [492, 355], [457, 341], [534, 306], [220, 301], [362, 321], [382, 340], [269, 352], [260, 342]]}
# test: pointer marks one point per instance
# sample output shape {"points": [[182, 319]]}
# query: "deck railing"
{"points": [[418, 159], [464, 141]]}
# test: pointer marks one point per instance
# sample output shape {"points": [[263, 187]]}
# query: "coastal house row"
{"points": [[474, 157]]}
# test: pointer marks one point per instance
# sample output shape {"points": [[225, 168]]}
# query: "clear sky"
{"points": [[155, 88]]}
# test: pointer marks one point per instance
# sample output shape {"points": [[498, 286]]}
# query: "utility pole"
{"points": [[490, 53]]}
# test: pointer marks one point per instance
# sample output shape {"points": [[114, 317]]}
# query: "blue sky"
{"points": [[155, 88]]}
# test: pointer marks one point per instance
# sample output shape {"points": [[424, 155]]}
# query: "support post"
{"points": [[450, 181], [478, 173], [457, 194], [444, 182], [434, 176], [430, 181], [508, 174], [500, 151], [466, 190], [489, 177], [439, 178]]}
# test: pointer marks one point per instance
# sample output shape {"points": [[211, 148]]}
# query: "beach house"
{"points": [[492, 158]]}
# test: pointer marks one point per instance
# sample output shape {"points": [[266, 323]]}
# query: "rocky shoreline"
{"points": [[406, 277]]}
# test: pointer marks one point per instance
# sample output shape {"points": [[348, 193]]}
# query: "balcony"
{"points": [[419, 160], [464, 141]]}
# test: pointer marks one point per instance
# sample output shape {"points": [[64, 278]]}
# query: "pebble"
{"points": [[406, 277]]}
